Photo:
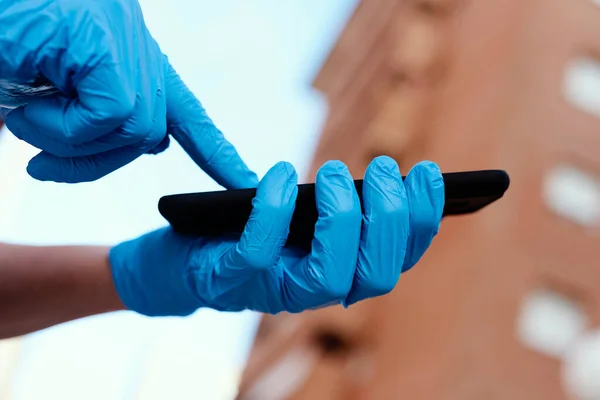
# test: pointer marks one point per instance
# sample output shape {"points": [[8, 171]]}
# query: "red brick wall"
{"points": [[470, 85]]}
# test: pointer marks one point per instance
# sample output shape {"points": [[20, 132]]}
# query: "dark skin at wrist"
{"points": [[44, 286]]}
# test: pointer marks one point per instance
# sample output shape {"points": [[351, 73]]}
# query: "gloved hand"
{"points": [[354, 255], [118, 99]]}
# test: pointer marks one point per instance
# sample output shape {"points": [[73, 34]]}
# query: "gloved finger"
{"points": [[325, 275], [425, 188], [106, 98], [189, 124], [47, 167], [385, 231], [36, 136], [267, 229], [148, 117]]}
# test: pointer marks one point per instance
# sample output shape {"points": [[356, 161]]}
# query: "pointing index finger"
{"points": [[189, 124]]}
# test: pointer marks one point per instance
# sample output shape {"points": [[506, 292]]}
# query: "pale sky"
{"points": [[251, 64]]}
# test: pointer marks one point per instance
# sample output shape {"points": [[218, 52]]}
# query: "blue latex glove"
{"points": [[354, 256], [118, 95]]}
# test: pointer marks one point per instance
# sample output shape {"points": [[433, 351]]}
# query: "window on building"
{"points": [[574, 194], [581, 84], [581, 368], [285, 378], [549, 322]]}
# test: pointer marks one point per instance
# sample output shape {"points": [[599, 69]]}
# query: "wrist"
{"points": [[101, 285], [86, 275], [46, 286]]}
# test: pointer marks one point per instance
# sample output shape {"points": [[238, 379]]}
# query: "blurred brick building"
{"points": [[493, 309]]}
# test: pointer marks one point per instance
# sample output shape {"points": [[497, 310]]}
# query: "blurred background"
{"points": [[505, 304]]}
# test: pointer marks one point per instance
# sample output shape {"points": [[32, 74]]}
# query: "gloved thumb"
{"points": [[267, 228], [189, 124]]}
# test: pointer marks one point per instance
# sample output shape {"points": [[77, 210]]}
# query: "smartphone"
{"points": [[225, 212]]}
